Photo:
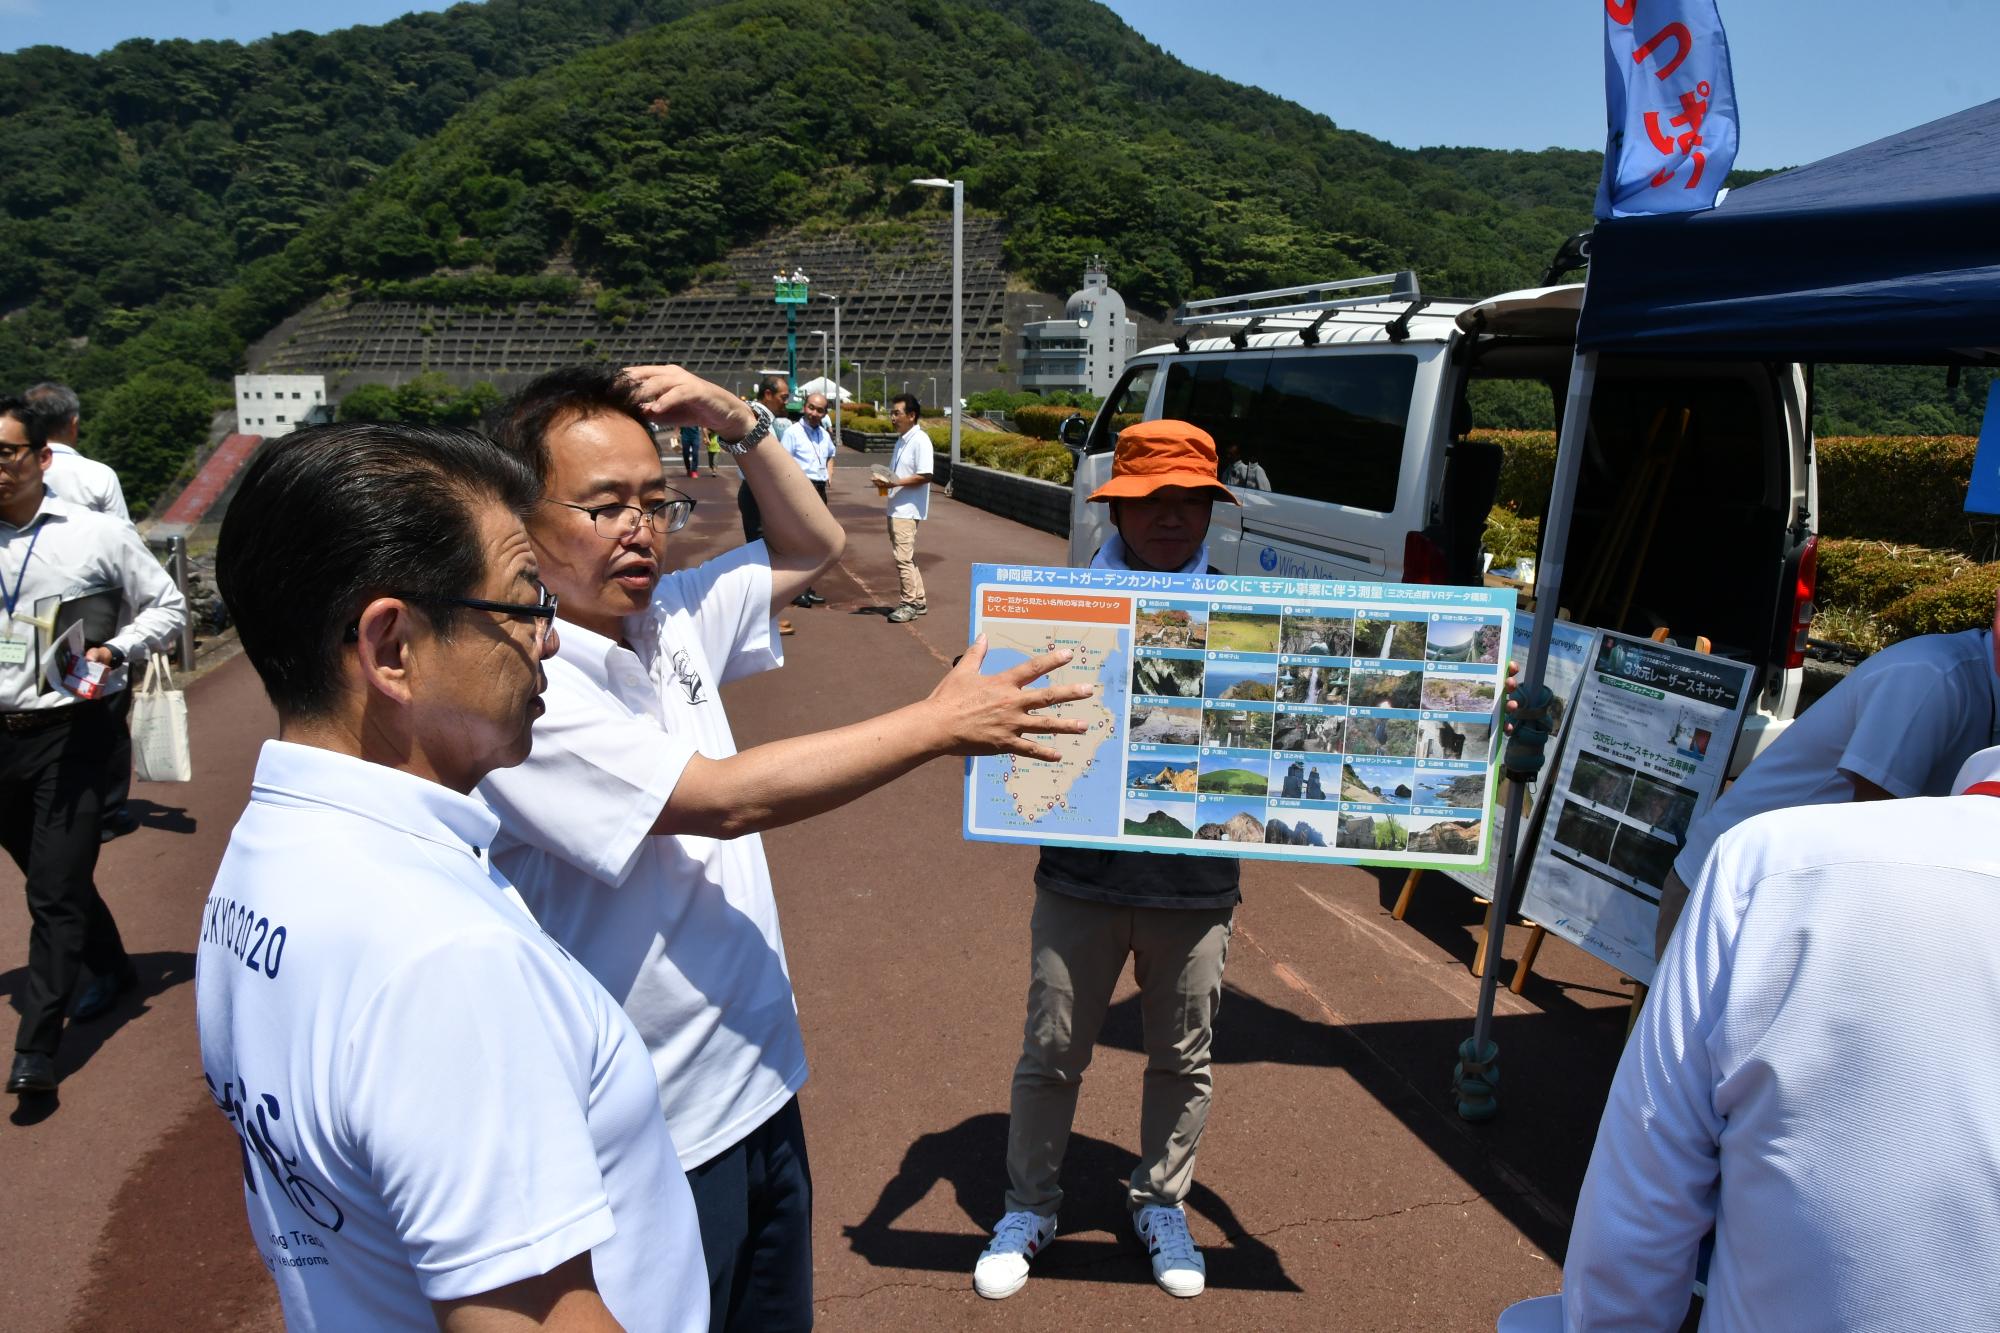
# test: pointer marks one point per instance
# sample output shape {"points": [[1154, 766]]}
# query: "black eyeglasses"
{"points": [[543, 611], [11, 454], [615, 522]]}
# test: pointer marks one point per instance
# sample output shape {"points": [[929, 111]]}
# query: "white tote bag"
{"points": [[160, 727]]}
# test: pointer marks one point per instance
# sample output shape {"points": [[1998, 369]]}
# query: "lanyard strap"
{"points": [[1983, 789], [20, 580]]}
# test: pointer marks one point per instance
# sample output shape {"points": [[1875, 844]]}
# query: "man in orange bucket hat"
{"points": [[1172, 914]]}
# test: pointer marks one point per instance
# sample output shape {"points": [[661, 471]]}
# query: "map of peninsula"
{"points": [[1038, 788]]}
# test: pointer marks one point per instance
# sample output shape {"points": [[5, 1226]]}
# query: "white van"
{"points": [[1344, 418]]}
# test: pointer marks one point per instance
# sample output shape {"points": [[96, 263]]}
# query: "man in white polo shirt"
{"points": [[909, 502], [445, 1122], [1811, 1077], [632, 828]]}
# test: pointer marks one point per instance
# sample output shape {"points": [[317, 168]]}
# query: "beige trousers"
{"points": [[903, 545], [1079, 950]]}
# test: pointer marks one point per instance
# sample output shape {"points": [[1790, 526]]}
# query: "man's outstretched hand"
{"points": [[996, 714]]}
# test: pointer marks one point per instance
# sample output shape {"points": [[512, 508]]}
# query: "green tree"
{"points": [[148, 427]]}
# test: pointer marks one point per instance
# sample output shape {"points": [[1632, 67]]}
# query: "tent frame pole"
{"points": [[1478, 1070]]}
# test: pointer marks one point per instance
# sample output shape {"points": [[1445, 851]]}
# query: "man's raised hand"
{"points": [[676, 397], [996, 714]]}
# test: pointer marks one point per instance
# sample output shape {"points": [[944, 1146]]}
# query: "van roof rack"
{"points": [[1250, 312]]}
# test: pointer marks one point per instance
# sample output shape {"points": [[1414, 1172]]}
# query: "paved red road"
{"points": [[1336, 1186]]}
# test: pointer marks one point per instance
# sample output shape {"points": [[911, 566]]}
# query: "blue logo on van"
{"points": [[1268, 559]]}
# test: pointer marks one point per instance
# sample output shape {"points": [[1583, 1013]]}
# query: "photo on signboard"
{"points": [[1302, 828], [1400, 639], [1452, 641], [1459, 694], [1586, 832], [1240, 680], [1243, 631], [1386, 689], [1455, 740], [1171, 627], [1156, 774], [1602, 782], [1160, 819], [1232, 775], [1662, 805], [1364, 780], [1178, 677], [1444, 837], [1230, 819], [1390, 737], [1164, 724], [1385, 832], [1237, 728], [1312, 685], [1325, 636], [1461, 791], [1313, 733], [1642, 856]]}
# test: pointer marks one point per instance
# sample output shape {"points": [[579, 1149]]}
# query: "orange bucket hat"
{"points": [[1155, 454]]}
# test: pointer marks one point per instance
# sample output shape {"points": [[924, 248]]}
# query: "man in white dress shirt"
{"points": [[61, 565], [1811, 1077], [810, 443], [909, 503], [632, 828], [444, 1121]]}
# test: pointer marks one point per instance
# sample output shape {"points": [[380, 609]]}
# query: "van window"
{"points": [[1326, 428], [1127, 403]]}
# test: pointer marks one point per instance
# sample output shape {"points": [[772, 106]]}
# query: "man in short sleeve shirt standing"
{"points": [[632, 829], [910, 470], [810, 443]]}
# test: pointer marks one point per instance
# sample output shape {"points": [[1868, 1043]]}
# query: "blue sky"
{"points": [[1812, 79]]}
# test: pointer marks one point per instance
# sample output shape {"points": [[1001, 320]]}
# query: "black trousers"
{"points": [[117, 786], [49, 793], [746, 505]]}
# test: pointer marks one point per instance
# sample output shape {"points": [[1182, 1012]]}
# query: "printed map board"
{"points": [[1251, 717]]}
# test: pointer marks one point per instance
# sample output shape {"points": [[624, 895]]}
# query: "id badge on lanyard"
{"points": [[17, 648]]}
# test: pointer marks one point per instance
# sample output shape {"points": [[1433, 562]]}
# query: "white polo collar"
{"points": [[1983, 766], [593, 654], [290, 774]]}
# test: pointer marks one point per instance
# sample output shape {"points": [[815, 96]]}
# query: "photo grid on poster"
{"points": [[1308, 730]]}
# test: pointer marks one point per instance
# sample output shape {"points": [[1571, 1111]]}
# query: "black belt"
{"points": [[37, 719]]}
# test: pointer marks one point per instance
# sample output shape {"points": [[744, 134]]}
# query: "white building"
{"points": [[274, 405], [1087, 348]]}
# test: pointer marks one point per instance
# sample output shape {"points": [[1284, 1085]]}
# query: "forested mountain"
{"points": [[165, 203]]}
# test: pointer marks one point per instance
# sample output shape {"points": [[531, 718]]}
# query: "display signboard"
{"points": [[1251, 716], [1571, 650], [1648, 749]]}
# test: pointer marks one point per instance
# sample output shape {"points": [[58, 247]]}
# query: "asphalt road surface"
{"points": [[1337, 1188]]}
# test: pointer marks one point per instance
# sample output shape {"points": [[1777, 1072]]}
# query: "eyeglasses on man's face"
{"points": [[615, 522], [13, 454], [542, 610]]}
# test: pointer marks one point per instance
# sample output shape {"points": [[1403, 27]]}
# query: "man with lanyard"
{"points": [[60, 564], [90, 484], [909, 503], [445, 1122], [1172, 914], [632, 828], [810, 444]]}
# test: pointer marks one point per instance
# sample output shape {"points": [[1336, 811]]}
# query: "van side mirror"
{"points": [[1074, 431]]}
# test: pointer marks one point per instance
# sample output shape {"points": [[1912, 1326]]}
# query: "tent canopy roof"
{"points": [[1884, 253]]}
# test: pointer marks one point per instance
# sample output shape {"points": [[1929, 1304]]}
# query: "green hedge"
{"points": [[1902, 489], [1041, 459], [1528, 470], [1870, 576], [1964, 602], [1042, 422]]}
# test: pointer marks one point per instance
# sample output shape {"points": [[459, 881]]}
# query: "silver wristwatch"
{"points": [[756, 433]]}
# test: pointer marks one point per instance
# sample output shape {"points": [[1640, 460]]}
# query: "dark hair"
{"points": [[56, 405], [37, 427], [909, 401], [773, 384], [571, 392], [329, 517]]}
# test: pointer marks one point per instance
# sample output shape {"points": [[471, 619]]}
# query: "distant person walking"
{"points": [[714, 451], [910, 470], [87, 483], [691, 450], [810, 444]]}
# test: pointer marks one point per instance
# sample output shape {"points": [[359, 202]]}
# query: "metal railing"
{"points": [[174, 554]]}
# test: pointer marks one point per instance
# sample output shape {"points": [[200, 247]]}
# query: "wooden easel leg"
{"points": [[1528, 952], [1479, 954], [1638, 1003], [1403, 900]]}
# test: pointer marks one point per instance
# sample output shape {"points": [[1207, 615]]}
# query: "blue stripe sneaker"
{"points": [[1003, 1269], [1177, 1264]]}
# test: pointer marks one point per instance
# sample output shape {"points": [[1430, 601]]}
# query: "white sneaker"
{"points": [[1003, 1269], [1177, 1264]]}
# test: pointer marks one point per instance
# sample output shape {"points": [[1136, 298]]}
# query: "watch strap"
{"points": [[756, 433]]}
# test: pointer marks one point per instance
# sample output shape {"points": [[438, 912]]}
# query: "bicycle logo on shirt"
{"points": [[253, 1134]]}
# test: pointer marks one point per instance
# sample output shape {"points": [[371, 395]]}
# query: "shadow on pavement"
{"points": [[165, 818], [972, 1158], [158, 973]]}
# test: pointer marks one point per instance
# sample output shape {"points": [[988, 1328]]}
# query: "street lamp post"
{"points": [[858, 386], [933, 380], [836, 365], [957, 189], [791, 293], [821, 335]]}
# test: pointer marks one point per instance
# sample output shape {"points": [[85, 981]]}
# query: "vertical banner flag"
{"points": [[1983, 496], [1671, 107]]}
